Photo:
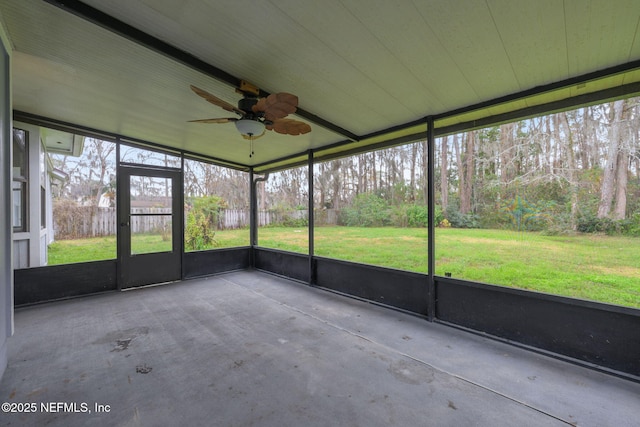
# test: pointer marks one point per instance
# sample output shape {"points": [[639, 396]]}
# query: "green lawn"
{"points": [[80, 250], [595, 267]]}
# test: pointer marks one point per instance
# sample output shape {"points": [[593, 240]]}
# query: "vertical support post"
{"points": [[310, 218], [253, 219], [431, 214], [6, 180], [119, 196], [181, 200]]}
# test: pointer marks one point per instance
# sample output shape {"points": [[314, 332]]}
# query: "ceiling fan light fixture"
{"points": [[250, 127]]}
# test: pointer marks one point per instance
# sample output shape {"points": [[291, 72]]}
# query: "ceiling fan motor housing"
{"points": [[246, 104]]}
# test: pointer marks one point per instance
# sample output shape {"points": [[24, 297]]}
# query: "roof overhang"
{"points": [[367, 77], [59, 142]]}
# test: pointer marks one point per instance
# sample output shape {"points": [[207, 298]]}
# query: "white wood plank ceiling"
{"points": [[366, 66]]}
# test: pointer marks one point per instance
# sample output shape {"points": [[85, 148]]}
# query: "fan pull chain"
{"points": [[251, 145]]}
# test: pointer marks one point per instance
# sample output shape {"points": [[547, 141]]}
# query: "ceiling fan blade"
{"points": [[216, 101], [220, 120], [277, 105], [260, 106], [289, 127]]}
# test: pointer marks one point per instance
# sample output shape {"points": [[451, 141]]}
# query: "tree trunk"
{"points": [[461, 176], [620, 207], [546, 151], [606, 192], [412, 182], [425, 175], [507, 152], [468, 172], [627, 149], [320, 190], [362, 173], [585, 140], [593, 137], [263, 195], [571, 170], [336, 165], [444, 174]]}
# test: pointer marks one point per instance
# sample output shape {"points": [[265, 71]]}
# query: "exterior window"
{"points": [[82, 204], [283, 215], [20, 176], [547, 204], [371, 208], [216, 207]]}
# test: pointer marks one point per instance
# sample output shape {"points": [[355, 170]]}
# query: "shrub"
{"points": [[521, 214], [282, 215], [198, 235], [417, 215], [209, 206], [414, 215], [444, 223], [203, 214], [559, 224], [290, 221], [459, 220], [72, 221], [592, 224], [634, 225], [367, 210]]}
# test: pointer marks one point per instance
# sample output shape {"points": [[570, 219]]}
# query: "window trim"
{"points": [[23, 187]]}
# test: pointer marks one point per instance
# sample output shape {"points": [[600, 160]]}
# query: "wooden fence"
{"points": [[85, 221]]}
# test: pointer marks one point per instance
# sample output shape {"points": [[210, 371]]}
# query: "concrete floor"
{"points": [[251, 349]]}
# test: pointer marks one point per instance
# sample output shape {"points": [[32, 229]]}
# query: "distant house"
{"points": [[107, 199]]}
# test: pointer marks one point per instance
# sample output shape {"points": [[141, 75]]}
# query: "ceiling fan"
{"points": [[257, 115]]}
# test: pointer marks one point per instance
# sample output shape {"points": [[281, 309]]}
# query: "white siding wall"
{"points": [[20, 252], [36, 252]]}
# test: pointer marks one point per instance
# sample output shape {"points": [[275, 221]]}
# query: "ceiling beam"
{"points": [[34, 119], [598, 97], [539, 90]]}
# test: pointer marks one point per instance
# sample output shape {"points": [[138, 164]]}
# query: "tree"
{"points": [[444, 174], [508, 169], [468, 172], [610, 171], [570, 168]]}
